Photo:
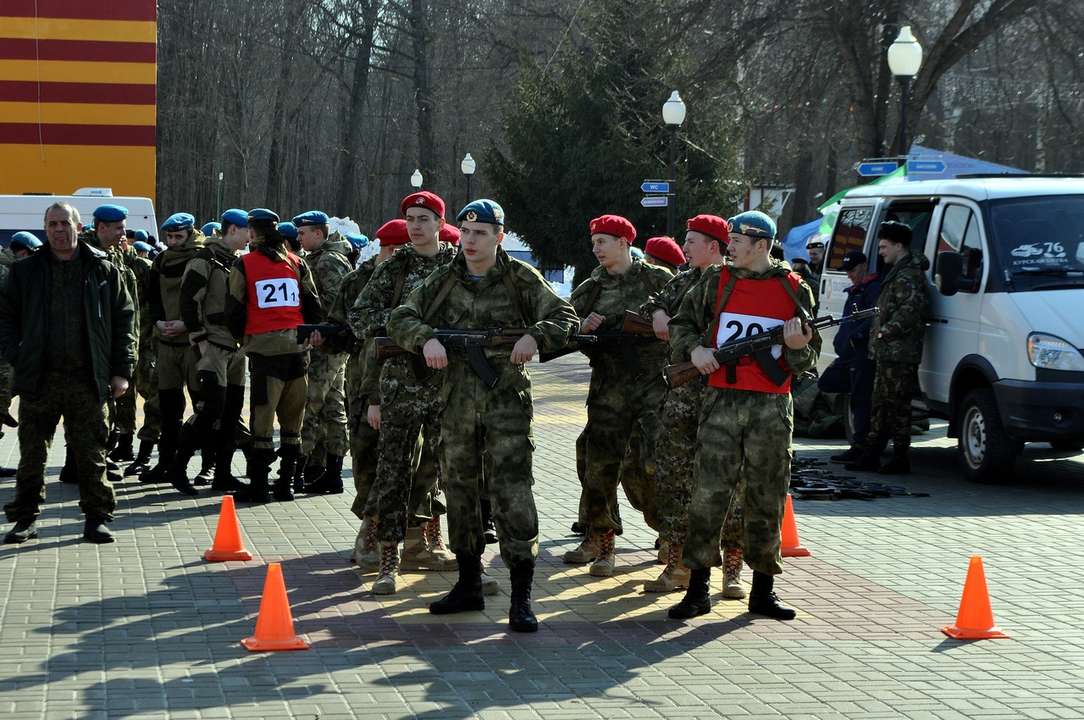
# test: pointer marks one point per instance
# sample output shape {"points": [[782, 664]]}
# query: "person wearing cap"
{"points": [[486, 428], [220, 366], [139, 260], [271, 292], [624, 398], [176, 358], [67, 326], [895, 346], [324, 439], [664, 252], [288, 231], [211, 228], [747, 414], [705, 242], [405, 406], [357, 241], [24, 244], [815, 248]]}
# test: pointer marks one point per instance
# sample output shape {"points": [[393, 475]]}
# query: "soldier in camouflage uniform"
{"points": [[896, 347], [7, 258], [220, 368], [484, 288], [746, 414], [407, 395], [680, 414], [625, 395], [325, 410]]}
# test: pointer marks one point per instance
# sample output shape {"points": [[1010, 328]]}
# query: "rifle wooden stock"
{"points": [[636, 324], [634, 329]]}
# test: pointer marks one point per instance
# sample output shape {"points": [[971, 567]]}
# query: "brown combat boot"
{"points": [[732, 587], [603, 566], [385, 583], [674, 576]]}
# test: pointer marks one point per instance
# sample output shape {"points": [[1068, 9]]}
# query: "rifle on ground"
{"points": [[471, 342], [685, 372], [326, 329], [635, 330]]}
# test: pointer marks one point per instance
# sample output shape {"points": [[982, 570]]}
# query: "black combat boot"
{"points": [[26, 529], [697, 601], [310, 472], [224, 481], [206, 468], [122, 452], [177, 472], [259, 467], [849, 455], [331, 481], [96, 531], [143, 458], [157, 474], [466, 595], [869, 461], [520, 616], [489, 530], [763, 601], [900, 464], [288, 460]]}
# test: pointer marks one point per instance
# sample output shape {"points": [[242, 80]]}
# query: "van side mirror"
{"points": [[950, 268]]}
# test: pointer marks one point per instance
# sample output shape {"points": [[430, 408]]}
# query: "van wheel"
{"points": [[1067, 445], [986, 451]]}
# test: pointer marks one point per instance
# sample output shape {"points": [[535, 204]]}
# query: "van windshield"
{"points": [[1040, 240]]}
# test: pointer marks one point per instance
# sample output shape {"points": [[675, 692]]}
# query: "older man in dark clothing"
{"points": [[67, 325]]}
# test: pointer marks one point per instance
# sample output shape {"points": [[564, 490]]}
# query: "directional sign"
{"points": [[655, 201], [917, 167], [654, 186], [876, 169]]}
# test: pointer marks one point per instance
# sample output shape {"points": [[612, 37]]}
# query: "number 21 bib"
{"points": [[273, 293]]}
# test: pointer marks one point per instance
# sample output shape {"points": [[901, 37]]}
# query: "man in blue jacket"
{"points": [[852, 345]]}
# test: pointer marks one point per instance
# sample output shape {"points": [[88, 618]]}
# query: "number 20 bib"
{"points": [[273, 293]]}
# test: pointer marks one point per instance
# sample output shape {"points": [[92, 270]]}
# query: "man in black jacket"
{"points": [[67, 325]]}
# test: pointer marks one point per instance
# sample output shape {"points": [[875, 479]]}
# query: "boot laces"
{"points": [[606, 543], [370, 534], [434, 538], [389, 560], [732, 564]]}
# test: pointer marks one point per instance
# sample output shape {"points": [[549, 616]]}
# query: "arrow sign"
{"points": [[918, 167], [654, 186], [876, 169], [654, 201]]}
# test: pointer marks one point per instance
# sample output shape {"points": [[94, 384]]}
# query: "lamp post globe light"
{"points": [[416, 179], [904, 61], [673, 114], [468, 166]]}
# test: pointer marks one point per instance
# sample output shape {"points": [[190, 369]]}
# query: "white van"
{"points": [[1003, 360], [27, 212]]}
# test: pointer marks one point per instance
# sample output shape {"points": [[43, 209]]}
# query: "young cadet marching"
{"points": [[707, 237], [746, 415], [176, 357], [271, 292], [405, 404], [323, 436], [220, 369], [483, 288], [625, 395]]}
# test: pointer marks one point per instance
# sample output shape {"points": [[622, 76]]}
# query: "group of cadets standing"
{"points": [[706, 464]]}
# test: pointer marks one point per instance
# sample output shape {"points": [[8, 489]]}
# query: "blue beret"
{"points": [[357, 240], [25, 241], [753, 224], [141, 235], [142, 246], [178, 221], [483, 211], [262, 214], [637, 253], [210, 228], [233, 216], [287, 230], [312, 217], [110, 213]]}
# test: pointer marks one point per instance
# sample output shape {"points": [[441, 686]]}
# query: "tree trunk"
{"points": [[348, 198], [276, 158], [423, 98]]}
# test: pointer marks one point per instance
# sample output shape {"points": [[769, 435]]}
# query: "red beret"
{"points": [[614, 225], [712, 226], [425, 199], [392, 233], [665, 249], [449, 234]]}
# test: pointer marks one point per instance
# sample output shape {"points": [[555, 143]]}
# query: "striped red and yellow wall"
{"points": [[77, 95]]}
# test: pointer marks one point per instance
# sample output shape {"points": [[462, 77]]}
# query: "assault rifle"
{"points": [[635, 330], [471, 342], [685, 372], [325, 329]]}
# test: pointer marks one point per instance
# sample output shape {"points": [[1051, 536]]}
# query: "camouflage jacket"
{"points": [[669, 298], [525, 300], [134, 282], [612, 295], [690, 327], [164, 284], [361, 381], [900, 324], [203, 294], [329, 264]]}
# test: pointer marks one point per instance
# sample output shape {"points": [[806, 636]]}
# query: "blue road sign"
{"points": [[917, 167], [876, 169], [654, 186], [655, 201]]}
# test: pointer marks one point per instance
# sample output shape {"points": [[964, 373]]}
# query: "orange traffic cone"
{"points": [[275, 624], [227, 544], [790, 545], [975, 621]]}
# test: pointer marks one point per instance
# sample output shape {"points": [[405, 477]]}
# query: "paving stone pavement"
{"points": [[144, 628]]}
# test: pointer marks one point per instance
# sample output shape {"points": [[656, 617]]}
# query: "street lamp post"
{"points": [[220, 178], [416, 179], [468, 166], [673, 114], [904, 60]]}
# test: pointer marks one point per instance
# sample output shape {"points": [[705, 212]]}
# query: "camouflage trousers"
{"points": [[676, 472], [146, 385], [486, 444], [617, 447], [744, 449], [86, 429], [364, 442], [325, 407], [277, 392], [893, 386], [6, 377]]}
